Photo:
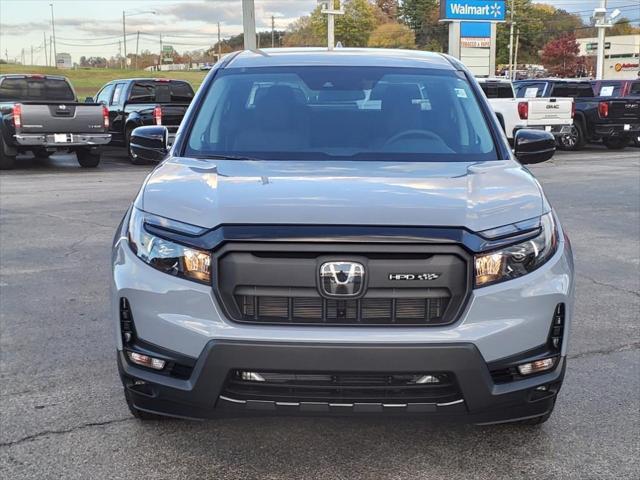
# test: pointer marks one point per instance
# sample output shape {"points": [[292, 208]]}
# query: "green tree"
{"points": [[422, 17], [623, 27], [392, 35], [351, 29], [302, 34]]}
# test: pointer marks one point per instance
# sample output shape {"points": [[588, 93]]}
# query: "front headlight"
{"points": [[165, 255], [519, 259]]}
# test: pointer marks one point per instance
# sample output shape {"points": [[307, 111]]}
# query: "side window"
{"points": [[635, 89], [105, 94], [584, 90], [143, 93], [564, 90], [118, 94]]}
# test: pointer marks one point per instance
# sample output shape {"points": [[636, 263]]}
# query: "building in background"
{"points": [[63, 60], [621, 55]]}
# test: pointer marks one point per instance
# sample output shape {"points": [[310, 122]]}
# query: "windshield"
{"points": [[324, 113], [48, 89]]}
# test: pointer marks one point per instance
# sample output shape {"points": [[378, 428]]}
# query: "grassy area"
{"points": [[88, 81]]}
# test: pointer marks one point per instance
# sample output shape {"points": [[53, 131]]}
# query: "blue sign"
{"points": [[478, 10], [475, 29]]}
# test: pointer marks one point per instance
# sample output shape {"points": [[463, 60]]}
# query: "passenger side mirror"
{"points": [[149, 143], [533, 146], [88, 100]]}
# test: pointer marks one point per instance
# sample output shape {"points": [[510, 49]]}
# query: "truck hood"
{"points": [[208, 193]]}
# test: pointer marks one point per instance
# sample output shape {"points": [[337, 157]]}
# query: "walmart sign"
{"points": [[480, 10]]}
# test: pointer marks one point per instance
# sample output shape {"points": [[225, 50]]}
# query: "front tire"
{"points": [[615, 143], [87, 158]]}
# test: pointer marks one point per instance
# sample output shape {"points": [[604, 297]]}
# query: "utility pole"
{"points": [[330, 12], [273, 32], [31, 55], [219, 45], [51, 63], [515, 55], [513, 7], [137, 45], [124, 38], [55, 49], [6, 54], [249, 24], [46, 58], [160, 56], [120, 50]]}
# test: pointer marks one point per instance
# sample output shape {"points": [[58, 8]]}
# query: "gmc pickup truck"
{"points": [[39, 113], [553, 115], [136, 102], [612, 120], [619, 89], [303, 250]]}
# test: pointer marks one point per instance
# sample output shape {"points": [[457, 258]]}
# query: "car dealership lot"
{"points": [[63, 414]]}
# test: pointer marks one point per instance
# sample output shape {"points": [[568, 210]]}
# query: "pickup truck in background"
{"points": [[554, 115], [137, 102], [619, 89], [40, 114], [615, 121]]}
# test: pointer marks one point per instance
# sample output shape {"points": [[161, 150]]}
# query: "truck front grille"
{"points": [[428, 387], [365, 311]]}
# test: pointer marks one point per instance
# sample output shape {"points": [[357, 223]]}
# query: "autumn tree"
{"points": [[389, 7], [392, 35], [560, 56]]}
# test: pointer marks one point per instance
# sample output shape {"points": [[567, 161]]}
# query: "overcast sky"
{"points": [[93, 27]]}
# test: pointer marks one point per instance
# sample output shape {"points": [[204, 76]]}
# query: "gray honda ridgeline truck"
{"points": [[342, 232]]}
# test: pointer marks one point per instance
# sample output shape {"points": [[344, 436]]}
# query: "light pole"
{"points": [[55, 50], [249, 24], [602, 23], [124, 28]]}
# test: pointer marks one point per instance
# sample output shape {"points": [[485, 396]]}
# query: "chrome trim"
{"points": [[399, 405], [232, 400], [288, 404], [350, 405], [449, 403]]}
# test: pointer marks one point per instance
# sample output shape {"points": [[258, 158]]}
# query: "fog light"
{"points": [[426, 379], [251, 377], [146, 361], [537, 366]]}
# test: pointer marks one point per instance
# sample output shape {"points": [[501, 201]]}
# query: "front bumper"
{"points": [[481, 400], [72, 140]]}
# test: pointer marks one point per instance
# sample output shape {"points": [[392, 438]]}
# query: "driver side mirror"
{"points": [[533, 146], [149, 143]]}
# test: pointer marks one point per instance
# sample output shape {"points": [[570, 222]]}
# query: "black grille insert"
{"points": [[365, 311], [342, 387]]}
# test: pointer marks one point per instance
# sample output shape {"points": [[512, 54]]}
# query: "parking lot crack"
{"points": [[609, 285], [606, 351], [46, 433]]}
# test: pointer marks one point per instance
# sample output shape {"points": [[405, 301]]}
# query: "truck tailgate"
{"points": [[625, 109], [550, 111], [61, 118], [172, 114]]}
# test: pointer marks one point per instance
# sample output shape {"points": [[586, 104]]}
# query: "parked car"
{"points": [[619, 89], [553, 115], [40, 114], [136, 102], [614, 121], [300, 250]]}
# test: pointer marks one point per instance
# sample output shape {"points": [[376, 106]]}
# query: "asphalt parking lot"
{"points": [[62, 410]]}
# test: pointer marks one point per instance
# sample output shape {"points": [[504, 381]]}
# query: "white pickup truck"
{"points": [[554, 115]]}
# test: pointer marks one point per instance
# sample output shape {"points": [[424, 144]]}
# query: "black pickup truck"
{"points": [[615, 121], [619, 89], [40, 114], [136, 102]]}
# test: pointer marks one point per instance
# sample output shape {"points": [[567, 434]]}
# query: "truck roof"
{"points": [[361, 57], [33, 75], [557, 80]]}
